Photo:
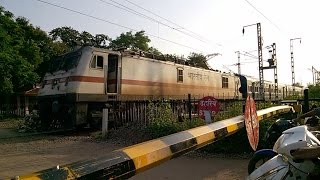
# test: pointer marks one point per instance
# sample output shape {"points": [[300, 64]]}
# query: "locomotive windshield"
{"points": [[66, 62]]}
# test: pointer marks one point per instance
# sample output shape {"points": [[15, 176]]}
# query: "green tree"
{"points": [[314, 90], [71, 37], [140, 41], [67, 35], [137, 41], [20, 53], [198, 60], [297, 84], [101, 40], [86, 38], [154, 51]]}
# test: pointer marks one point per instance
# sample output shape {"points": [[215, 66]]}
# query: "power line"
{"points": [[128, 9], [125, 8], [262, 14], [119, 25], [250, 55], [245, 62], [120, 7], [167, 20]]}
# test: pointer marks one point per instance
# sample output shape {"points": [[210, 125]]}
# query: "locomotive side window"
{"points": [[180, 75], [225, 83], [112, 77], [97, 62]]}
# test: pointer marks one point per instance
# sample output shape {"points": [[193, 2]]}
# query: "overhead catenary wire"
{"points": [[249, 54], [262, 14], [168, 20], [116, 24], [128, 9]]}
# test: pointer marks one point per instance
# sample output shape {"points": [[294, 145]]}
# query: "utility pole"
{"points": [[292, 64], [261, 80], [238, 64]]}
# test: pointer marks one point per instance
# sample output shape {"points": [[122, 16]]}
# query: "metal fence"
{"points": [[144, 112], [13, 110]]}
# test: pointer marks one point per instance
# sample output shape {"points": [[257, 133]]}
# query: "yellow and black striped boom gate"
{"points": [[126, 162]]}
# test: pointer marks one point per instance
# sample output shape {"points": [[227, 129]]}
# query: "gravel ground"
{"points": [[30, 154], [24, 155], [9, 123]]}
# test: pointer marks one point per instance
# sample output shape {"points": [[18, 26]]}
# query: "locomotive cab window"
{"points": [[97, 62], [180, 75], [225, 83]]}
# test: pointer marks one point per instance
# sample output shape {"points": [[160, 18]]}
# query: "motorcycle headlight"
{"points": [[276, 145]]}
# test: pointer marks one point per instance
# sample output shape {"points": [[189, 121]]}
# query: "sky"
{"points": [[202, 26]]}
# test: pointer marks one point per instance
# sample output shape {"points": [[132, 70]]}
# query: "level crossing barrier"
{"points": [[126, 162]]}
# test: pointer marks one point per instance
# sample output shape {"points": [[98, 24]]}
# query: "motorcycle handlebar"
{"points": [[306, 153], [314, 112]]}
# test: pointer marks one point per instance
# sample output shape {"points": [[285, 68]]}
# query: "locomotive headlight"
{"points": [[43, 83], [54, 82], [67, 81]]}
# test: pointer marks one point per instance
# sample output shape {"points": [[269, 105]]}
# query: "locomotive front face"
{"points": [[75, 79], [57, 79], [84, 71]]}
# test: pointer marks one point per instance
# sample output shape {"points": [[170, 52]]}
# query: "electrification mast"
{"points": [[315, 76], [292, 64], [238, 64], [274, 57], [261, 80]]}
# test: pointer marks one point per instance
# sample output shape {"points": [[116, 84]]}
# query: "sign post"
{"points": [[251, 123], [105, 115], [206, 106]]}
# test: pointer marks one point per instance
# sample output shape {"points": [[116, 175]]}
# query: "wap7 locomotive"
{"points": [[85, 80]]}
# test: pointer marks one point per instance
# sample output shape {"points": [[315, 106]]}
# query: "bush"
{"points": [[160, 128], [30, 123], [163, 128], [164, 122]]}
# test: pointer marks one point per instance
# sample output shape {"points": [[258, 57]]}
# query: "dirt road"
{"points": [[20, 157], [195, 168], [24, 156]]}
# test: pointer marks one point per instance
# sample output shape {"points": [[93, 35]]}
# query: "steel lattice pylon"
{"points": [[261, 80]]}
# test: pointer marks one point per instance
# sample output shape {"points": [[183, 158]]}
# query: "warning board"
{"points": [[208, 103], [251, 123]]}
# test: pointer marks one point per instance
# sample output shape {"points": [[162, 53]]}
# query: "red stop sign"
{"points": [[251, 122], [208, 103]]}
